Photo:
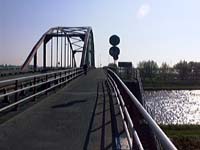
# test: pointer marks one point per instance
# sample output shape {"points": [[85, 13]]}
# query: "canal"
{"points": [[174, 106]]}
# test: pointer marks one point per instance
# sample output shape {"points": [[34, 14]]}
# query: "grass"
{"points": [[185, 137], [171, 85]]}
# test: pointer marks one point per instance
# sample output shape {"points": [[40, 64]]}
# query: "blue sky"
{"points": [[164, 31]]}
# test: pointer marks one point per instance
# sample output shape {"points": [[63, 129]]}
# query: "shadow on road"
{"points": [[71, 103], [100, 135]]}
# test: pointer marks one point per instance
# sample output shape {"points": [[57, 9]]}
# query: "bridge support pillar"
{"points": [[35, 62], [52, 53], [44, 56]]}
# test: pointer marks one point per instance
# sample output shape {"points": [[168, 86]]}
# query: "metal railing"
{"points": [[18, 90], [138, 77], [125, 114], [18, 71], [165, 142]]}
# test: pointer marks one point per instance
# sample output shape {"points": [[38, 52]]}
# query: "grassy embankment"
{"points": [[171, 85], [185, 137]]}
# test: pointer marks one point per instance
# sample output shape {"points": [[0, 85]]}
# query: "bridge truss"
{"points": [[65, 43]]}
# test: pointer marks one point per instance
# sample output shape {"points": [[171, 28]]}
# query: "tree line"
{"points": [[182, 70]]}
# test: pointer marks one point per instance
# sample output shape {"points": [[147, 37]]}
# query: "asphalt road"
{"points": [[66, 120]]}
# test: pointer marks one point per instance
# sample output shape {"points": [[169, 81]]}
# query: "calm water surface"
{"points": [[174, 107]]}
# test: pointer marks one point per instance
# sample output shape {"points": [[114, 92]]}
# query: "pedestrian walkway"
{"points": [[76, 117]]}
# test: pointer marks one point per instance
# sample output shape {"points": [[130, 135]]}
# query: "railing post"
{"points": [[6, 98], [60, 79], [47, 84], [72, 73], [55, 81], [68, 72], [65, 76], [69, 77], [35, 88], [16, 95], [75, 73], [22, 92]]}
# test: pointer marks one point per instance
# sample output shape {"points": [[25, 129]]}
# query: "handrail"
{"points": [[124, 109], [32, 86], [38, 75], [61, 79], [165, 141], [140, 87]]}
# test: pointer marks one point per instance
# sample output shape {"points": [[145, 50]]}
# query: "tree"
{"points": [[183, 69], [194, 69], [148, 69], [164, 70]]}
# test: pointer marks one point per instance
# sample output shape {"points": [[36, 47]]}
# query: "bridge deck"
{"points": [[76, 117]]}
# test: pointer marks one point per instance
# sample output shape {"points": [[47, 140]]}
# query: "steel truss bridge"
{"points": [[94, 111], [72, 40]]}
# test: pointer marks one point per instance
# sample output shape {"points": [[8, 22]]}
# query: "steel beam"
{"points": [[76, 33], [65, 52], [51, 52], [44, 56], [57, 52], [35, 62], [61, 52]]}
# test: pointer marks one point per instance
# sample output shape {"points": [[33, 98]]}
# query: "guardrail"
{"points": [[125, 114], [165, 142], [19, 90], [138, 77], [18, 71]]}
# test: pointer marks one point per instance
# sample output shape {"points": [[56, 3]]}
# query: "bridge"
{"points": [[64, 104]]}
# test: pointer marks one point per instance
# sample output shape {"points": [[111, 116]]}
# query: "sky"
{"points": [[160, 30]]}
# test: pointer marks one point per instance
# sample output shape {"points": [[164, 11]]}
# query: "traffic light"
{"points": [[114, 50]]}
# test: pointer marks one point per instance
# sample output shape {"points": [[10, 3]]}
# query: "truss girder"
{"points": [[80, 39]]}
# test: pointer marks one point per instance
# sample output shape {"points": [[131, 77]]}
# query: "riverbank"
{"points": [[171, 85], [185, 137], [154, 88]]}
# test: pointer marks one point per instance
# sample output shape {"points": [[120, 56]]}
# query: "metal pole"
{"points": [[68, 54], [6, 98], [35, 88], [44, 55], [65, 53], [72, 59], [52, 52], [35, 62], [16, 94], [57, 52], [61, 42]]}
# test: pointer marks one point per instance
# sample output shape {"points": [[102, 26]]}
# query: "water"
{"points": [[174, 107]]}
